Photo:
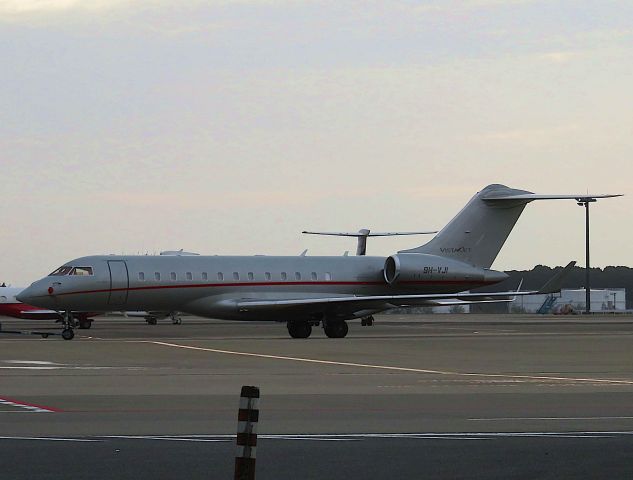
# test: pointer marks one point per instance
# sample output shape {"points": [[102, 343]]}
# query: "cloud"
{"points": [[525, 137], [450, 6], [22, 7], [559, 57]]}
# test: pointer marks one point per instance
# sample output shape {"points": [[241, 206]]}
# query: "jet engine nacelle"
{"points": [[420, 268]]}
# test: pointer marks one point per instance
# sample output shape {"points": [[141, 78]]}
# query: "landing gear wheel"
{"points": [[85, 324], [68, 334], [176, 320], [299, 329], [151, 321], [336, 329], [44, 335]]}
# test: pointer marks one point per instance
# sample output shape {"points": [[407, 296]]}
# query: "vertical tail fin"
{"points": [[479, 230]]}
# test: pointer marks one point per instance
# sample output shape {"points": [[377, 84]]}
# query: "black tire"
{"points": [[299, 329], [151, 321], [336, 329], [85, 324], [68, 334]]}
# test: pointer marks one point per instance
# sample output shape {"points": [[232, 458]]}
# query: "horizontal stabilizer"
{"points": [[529, 197], [367, 233], [363, 234]]}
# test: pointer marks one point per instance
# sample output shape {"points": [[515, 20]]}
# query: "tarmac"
{"points": [[435, 396]]}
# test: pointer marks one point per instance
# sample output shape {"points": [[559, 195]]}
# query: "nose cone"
{"points": [[25, 295], [37, 294], [493, 276]]}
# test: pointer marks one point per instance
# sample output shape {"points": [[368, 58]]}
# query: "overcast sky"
{"points": [[229, 126]]}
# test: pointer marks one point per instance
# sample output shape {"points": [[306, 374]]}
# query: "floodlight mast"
{"points": [[584, 202]]}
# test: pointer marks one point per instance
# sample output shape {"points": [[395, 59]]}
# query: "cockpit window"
{"points": [[81, 271], [61, 271]]}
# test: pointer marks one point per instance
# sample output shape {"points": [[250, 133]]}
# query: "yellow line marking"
{"points": [[392, 368]]}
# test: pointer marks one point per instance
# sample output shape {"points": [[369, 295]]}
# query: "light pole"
{"points": [[584, 202]]}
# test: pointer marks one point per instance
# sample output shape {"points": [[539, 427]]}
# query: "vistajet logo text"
{"points": [[455, 249]]}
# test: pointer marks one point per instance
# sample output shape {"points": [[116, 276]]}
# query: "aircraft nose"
{"points": [[26, 295], [34, 294], [494, 276]]}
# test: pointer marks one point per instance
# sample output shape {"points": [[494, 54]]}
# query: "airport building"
{"points": [[568, 300]]}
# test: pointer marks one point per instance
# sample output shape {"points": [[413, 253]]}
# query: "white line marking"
{"points": [[399, 369], [52, 439], [500, 419], [174, 439], [343, 436], [32, 362], [29, 408], [15, 411]]}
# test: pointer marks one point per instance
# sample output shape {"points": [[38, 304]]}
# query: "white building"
{"points": [[602, 300]]}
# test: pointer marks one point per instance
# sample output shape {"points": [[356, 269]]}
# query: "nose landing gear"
{"points": [[68, 326]]}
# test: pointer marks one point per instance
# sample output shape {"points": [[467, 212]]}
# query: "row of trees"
{"points": [[609, 277]]}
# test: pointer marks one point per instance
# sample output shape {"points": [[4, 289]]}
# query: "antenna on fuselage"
{"points": [[364, 233]]}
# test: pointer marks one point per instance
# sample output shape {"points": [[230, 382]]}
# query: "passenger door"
{"points": [[119, 282]]}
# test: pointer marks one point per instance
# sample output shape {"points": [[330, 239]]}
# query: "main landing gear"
{"points": [[85, 323], [175, 319], [336, 329], [303, 328], [299, 329]]}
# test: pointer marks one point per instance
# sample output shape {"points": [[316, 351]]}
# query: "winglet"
{"points": [[518, 290], [555, 283]]}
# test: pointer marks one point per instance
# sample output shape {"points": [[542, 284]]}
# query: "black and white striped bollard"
{"points": [[247, 418]]}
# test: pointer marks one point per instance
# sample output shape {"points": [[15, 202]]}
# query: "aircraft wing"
{"points": [[395, 300], [390, 301], [38, 312]]}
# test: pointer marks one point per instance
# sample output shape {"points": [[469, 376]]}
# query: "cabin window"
{"points": [[157, 276], [267, 275], [141, 276], [313, 276], [205, 276], [327, 276], [284, 276], [220, 276], [189, 276], [236, 276], [81, 271], [297, 276], [251, 276], [173, 276]]}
